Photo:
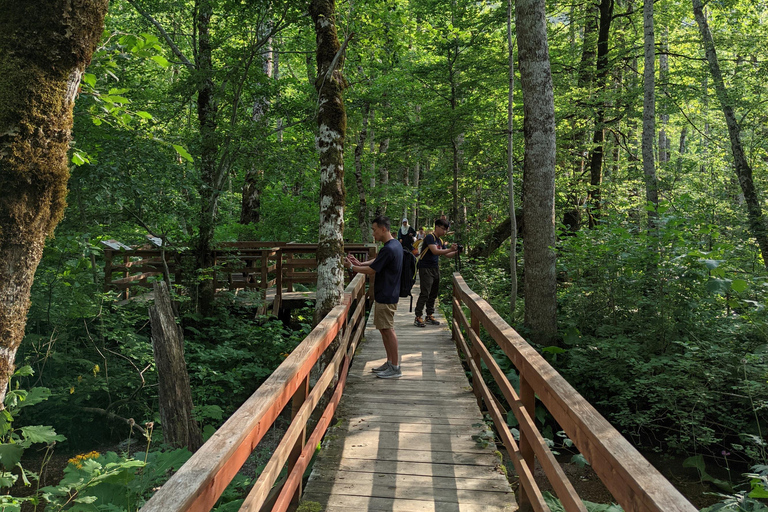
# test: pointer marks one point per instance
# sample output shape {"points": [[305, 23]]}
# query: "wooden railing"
{"points": [[199, 483], [239, 265], [633, 481]]}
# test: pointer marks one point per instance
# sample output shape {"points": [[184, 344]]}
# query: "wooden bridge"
{"points": [[417, 443]]}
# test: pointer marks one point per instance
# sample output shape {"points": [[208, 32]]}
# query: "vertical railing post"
{"points": [[127, 292], [528, 399], [278, 281], [289, 271], [298, 400], [475, 324], [108, 253]]}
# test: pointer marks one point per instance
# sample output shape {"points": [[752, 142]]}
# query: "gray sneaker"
{"points": [[393, 372], [381, 368]]}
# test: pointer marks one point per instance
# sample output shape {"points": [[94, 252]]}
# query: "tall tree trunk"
{"points": [[180, 429], [363, 216], [649, 114], [416, 177], [44, 49], [572, 216], [741, 166], [209, 192], [598, 139], [332, 126], [383, 178], [664, 143], [511, 165], [538, 171], [250, 208]]}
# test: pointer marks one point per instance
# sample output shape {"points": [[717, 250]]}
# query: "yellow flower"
{"points": [[72, 390], [79, 378], [77, 460], [96, 369]]}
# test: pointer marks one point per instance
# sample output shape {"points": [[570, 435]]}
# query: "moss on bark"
{"points": [[45, 46]]}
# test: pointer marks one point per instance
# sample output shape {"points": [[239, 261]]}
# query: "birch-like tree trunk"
{"points": [[511, 165], [649, 114], [332, 126], [363, 216], [664, 142], [538, 170], [741, 166], [45, 47]]}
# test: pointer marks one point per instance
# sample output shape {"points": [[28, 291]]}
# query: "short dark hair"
{"points": [[442, 223], [381, 220]]}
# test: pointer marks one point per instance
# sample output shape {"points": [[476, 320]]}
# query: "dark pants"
{"points": [[430, 282]]}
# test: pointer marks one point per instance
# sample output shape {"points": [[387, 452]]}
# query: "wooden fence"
{"points": [[238, 265], [199, 483], [633, 481]]}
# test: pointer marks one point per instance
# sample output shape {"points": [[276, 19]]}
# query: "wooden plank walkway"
{"points": [[407, 444]]}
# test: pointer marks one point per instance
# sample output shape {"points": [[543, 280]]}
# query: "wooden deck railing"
{"points": [[239, 265], [199, 483], [633, 481]]}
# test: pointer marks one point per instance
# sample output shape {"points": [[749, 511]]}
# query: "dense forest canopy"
{"points": [[196, 122]]}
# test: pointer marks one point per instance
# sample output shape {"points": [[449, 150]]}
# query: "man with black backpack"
{"points": [[429, 272], [386, 292]]}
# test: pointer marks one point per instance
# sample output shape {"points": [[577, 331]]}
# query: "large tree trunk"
{"points": [[363, 217], [649, 114], [209, 191], [511, 166], [598, 139], [538, 171], [664, 143], [741, 166], [180, 429], [332, 126], [44, 49]]}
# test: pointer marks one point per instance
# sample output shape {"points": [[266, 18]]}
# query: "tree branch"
{"points": [[163, 33]]}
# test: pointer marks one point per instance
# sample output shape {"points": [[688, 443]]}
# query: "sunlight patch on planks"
{"points": [[407, 444]]}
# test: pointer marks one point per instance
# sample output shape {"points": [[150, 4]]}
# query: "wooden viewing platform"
{"points": [[409, 443]]}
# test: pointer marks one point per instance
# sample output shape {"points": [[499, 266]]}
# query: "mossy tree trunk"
{"points": [[332, 126], [44, 49]]}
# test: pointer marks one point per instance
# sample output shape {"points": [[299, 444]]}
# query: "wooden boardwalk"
{"points": [[409, 444]]}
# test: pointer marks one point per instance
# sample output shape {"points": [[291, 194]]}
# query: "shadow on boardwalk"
{"points": [[407, 444]]}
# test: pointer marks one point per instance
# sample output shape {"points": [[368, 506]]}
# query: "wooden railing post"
{"points": [[289, 279], [278, 282], [475, 323], [127, 292], [528, 399], [298, 400], [108, 253]]}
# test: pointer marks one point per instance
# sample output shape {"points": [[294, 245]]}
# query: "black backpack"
{"points": [[407, 275]]}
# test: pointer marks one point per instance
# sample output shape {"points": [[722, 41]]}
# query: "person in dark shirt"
{"points": [[386, 292], [429, 272]]}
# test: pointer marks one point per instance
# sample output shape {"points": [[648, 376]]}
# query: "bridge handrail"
{"points": [[632, 480], [200, 482]]}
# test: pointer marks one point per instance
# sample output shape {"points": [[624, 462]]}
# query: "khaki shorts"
{"points": [[384, 315]]}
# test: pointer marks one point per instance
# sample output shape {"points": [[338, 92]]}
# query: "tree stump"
{"points": [[179, 427]]}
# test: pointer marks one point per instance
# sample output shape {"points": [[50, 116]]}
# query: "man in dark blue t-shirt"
{"points": [[386, 292], [429, 272]]}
